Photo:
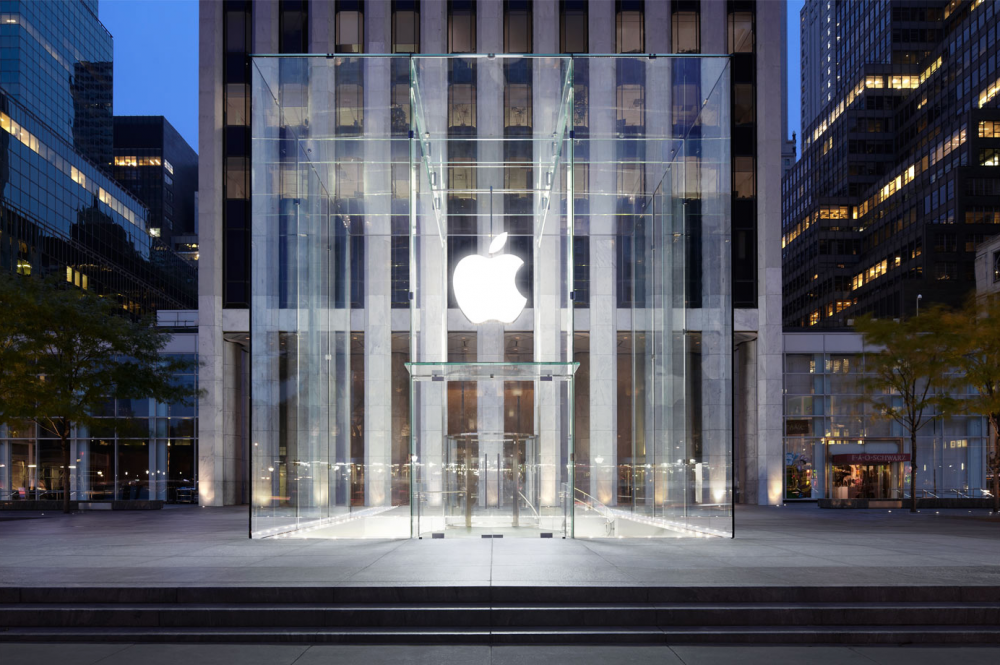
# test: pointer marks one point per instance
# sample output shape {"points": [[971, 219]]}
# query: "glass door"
{"points": [[480, 474]]}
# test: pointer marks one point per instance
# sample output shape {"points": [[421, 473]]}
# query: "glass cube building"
{"points": [[477, 177]]}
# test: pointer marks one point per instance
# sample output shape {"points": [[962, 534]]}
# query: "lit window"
{"points": [[168, 167], [350, 27]]}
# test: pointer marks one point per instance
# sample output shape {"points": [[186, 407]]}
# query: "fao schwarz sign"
{"points": [[873, 458]]}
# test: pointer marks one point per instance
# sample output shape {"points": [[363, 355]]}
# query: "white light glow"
{"points": [[485, 288]]}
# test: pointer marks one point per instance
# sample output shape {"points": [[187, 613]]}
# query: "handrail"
{"points": [[601, 509]]}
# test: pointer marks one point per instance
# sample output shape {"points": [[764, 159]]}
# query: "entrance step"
{"points": [[506, 615]]}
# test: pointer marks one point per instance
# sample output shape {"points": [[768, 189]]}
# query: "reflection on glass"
{"points": [[405, 418]]}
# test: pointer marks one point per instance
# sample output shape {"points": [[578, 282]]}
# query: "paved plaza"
{"points": [[797, 545]]}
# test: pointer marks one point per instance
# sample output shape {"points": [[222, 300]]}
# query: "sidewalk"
{"points": [[798, 545]]}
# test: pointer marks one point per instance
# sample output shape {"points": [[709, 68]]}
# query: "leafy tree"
{"points": [[977, 355], [908, 377], [64, 352]]}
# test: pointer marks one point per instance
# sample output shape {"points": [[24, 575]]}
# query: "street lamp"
{"points": [[919, 298]]}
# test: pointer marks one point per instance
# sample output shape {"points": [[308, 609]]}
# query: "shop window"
{"points": [[461, 26], [405, 26], [350, 29], [629, 21], [573, 29], [685, 26], [517, 26]]}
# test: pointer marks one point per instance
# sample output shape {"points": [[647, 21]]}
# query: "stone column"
{"points": [[603, 227], [378, 246], [210, 403], [770, 462]]}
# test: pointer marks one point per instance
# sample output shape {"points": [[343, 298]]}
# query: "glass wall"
{"points": [[468, 187], [835, 446], [140, 449]]}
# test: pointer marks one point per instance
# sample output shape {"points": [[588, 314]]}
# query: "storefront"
{"points": [[483, 180], [837, 447], [869, 476]]}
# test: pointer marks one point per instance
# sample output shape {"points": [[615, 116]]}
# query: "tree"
{"points": [[977, 356], [907, 378], [64, 352]]}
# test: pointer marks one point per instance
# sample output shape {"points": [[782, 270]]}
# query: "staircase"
{"points": [[505, 615]]}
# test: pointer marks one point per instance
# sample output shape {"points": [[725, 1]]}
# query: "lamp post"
{"points": [[920, 297]]}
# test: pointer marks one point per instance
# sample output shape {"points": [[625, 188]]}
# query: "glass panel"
{"points": [[455, 185]]}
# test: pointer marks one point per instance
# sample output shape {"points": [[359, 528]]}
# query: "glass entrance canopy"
{"points": [[432, 237]]}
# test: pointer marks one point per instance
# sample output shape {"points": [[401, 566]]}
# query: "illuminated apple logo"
{"points": [[485, 288]]}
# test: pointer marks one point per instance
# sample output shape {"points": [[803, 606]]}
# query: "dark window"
{"points": [[405, 26], [461, 26], [573, 29], [629, 32], [350, 19], [517, 26], [685, 25], [293, 36]]}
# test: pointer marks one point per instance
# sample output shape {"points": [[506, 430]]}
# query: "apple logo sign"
{"points": [[485, 288]]}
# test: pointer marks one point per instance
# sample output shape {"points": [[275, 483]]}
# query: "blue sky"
{"points": [[156, 60], [794, 66]]}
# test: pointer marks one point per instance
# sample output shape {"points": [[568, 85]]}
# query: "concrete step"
{"points": [[449, 616], [336, 595], [931, 634]]}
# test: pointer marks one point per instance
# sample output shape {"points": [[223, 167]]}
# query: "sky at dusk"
{"points": [[794, 67], [156, 60]]}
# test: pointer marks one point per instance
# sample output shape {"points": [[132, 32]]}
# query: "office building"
{"points": [[345, 361], [896, 185], [156, 164], [61, 210]]}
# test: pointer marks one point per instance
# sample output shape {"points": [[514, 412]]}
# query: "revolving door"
{"points": [[491, 481], [491, 449]]}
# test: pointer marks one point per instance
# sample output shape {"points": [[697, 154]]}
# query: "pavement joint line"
{"points": [[853, 649], [113, 653]]}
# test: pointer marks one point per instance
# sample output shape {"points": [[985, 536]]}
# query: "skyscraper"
{"points": [[896, 185], [156, 164], [818, 38]]}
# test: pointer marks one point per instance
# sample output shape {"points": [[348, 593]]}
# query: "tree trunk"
{"points": [[64, 442], [913, 471]]}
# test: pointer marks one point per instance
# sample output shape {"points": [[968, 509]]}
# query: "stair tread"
{"points": [[507, 630], [492, 606]]}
